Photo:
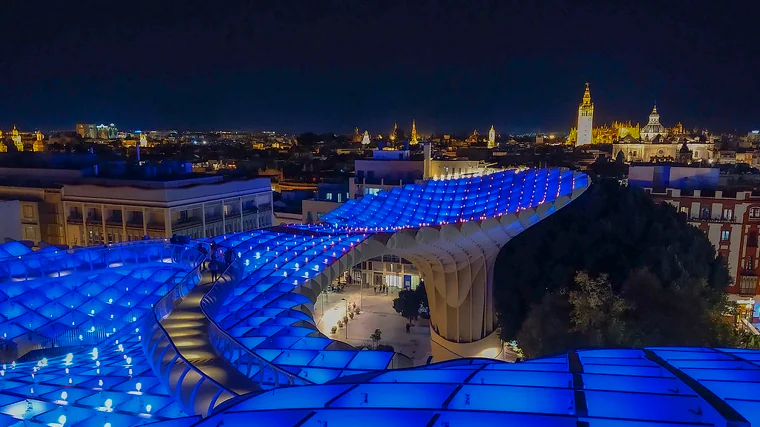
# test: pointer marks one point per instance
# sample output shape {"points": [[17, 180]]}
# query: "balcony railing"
{"points": [[723, 219], [74, 219], [748, 285], [187, 222]]}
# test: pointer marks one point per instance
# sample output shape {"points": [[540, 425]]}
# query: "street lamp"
{"points": [[343, 299]]}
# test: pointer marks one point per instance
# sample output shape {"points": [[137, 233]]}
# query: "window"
{"points": [[705, 212], [329, 196], [725, 235], [28, 212], [749, 263], [183, 216], [728, 214], [752, 239], [754, 213], [684, 210]]}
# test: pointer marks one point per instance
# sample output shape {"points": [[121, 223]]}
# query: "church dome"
{"points": [[653, 128]]}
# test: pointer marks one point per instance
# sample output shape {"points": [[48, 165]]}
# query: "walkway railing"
{"points": [[266, 374], [195, 392]]}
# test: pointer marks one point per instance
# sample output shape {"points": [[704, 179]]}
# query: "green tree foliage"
{"points": [[665, 271], [409, 301], [643, 313], [376, 337]]}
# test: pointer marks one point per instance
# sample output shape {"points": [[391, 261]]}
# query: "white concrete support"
{"points": [[456, 262]]}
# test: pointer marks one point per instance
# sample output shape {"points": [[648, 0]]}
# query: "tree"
{"points": [[597, 312], [644, 313], [621, 233], [376, 337], [308, 139], [409, 301]]}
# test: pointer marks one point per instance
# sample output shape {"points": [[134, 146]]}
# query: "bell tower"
{"points": [[585, 119], [414, 139], [16, 138]]}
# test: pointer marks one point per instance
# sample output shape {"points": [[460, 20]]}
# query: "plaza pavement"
{"points": [[377, 313]]}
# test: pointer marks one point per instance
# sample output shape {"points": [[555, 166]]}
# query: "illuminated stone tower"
{"points": [[394, 134], [585, 119], [16, 138], [3, 147], [39, 142], [357, 135], [413, 140], [492, 137], [365, 138]]}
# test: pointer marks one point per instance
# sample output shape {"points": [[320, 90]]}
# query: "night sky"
{"points": [[326, 65]]}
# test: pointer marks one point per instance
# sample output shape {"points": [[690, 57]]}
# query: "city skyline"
{"points": [[295, 66]]}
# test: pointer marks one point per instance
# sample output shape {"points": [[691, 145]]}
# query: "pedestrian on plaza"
{"points": [[408, 327]]}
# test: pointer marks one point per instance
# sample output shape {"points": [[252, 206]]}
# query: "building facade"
{"points": [[660, 144], [731, 220], [205, 207]]}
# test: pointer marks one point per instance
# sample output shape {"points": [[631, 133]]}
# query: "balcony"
{"points": [[74, 219], [135, 222], [187, 222], [725, 220], [748, 285], [156, 225], [113, 220]]}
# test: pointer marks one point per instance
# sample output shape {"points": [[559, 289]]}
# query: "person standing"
{"points": [[204, 252], [213, 267], [229, 256]]}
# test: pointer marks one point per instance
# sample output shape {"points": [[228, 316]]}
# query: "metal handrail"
{"points": [[164, 305], [266, 374]]}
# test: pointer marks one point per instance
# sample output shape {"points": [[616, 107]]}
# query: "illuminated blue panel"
{"points": [[513, 399], [394, 395], [656, 407]]}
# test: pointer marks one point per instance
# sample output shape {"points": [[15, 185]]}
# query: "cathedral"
{"points": [[657, 143], [586, 133], [632, 143]]}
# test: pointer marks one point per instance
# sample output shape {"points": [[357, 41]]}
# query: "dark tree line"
{"points": [[612, 268]]}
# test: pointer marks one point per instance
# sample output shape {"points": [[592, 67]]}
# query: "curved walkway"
{"points": [[188, 328]]}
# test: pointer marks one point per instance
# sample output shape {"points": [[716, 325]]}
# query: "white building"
{"points": [[120, 210], [585, 119]]}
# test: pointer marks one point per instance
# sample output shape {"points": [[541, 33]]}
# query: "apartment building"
{"points": [[729, 217], [119, 210]]}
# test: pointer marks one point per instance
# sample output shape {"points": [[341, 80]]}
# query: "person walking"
{"points": [[229, 256], [204, 252], [213, 267], [408, 328]]}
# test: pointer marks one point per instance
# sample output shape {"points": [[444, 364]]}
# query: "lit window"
{"points": [[728, 214], [725, 235], [684, 210], [754, 213], [329, 196]]}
